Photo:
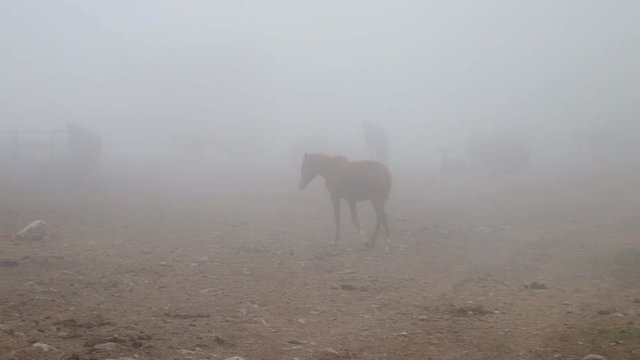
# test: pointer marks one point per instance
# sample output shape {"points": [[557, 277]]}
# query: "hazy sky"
{"points": [[431, 71]]}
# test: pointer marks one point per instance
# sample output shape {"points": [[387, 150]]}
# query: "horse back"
{"points": [[361, 180]]}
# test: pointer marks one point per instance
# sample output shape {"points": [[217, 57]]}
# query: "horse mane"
{"points": [[329, 158]]}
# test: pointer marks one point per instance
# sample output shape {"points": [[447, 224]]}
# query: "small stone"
{"points": [[234, 358], [34, 231], [6, 329], [594, 357], [330, 351], [537, 286], [108, 346], [8, 263], [43, 347]]}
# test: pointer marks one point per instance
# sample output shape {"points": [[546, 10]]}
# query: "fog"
{"points": [[434, 73], [162, 144]]}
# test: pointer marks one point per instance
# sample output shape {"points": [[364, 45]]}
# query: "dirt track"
{"points": [[157, 273]]}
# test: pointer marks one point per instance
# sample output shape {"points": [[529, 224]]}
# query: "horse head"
{"points": [[308, 170]]}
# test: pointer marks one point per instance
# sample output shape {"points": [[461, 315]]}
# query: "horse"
{"points": [[311, 144], [352, 181], [376, 139]]}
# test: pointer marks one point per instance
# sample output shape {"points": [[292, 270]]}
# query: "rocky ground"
{"points": [[130, 270]]}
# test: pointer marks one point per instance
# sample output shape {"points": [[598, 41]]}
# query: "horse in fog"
{"points": [[377, 142], [308, 144], [352, 181]]}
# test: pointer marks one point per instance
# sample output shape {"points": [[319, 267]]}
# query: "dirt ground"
{"points": [[149, 267]]}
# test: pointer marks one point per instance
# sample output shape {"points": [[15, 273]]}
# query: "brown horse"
{"points": [[353, 181]]}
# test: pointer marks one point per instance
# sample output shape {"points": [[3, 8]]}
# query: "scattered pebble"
{"points": [[605, 312], [34, 231], [470, 311], [347, 287], [535, 285], [6, 329], [8, 263], [43, 347], [594, 357], [330, 351], [108, 346]]}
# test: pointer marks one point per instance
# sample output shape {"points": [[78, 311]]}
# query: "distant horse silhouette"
{"points": [[353, 181], [377, 142], [310, 144]]}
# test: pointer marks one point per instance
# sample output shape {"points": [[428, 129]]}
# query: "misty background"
{"points": [[254, 76]]}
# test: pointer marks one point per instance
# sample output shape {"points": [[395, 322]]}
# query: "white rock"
{"points": [[44, 347], [330, 351], [34, 231]]}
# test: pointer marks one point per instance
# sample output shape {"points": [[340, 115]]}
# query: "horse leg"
{"points": [[354, 217], [379, 211], [354, 213], [335, 201], [385, 223]]}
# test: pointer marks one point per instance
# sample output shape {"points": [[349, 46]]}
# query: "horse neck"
{"points": [[329, 166]]}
